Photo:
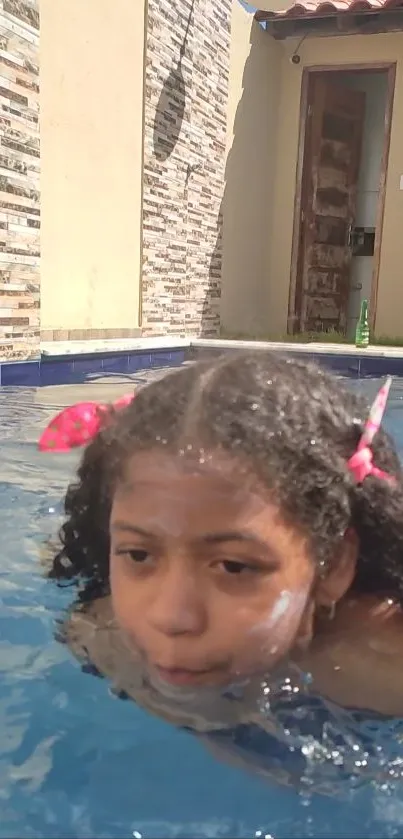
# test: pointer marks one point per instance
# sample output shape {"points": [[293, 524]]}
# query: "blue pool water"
{"points": [[77, 762]]}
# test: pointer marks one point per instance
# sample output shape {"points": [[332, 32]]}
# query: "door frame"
{"points": [[388, 67]]}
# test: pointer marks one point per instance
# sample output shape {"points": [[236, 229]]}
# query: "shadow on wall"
{"points": [[210, 316], [171, 105], [237, 289], [247, 208]]}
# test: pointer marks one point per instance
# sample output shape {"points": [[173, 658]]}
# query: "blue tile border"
{"points": [[78, 369], [20, 373], [62, 370], [353, 365]]}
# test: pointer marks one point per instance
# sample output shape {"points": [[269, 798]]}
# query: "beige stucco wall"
{"points": [[91, 69], [251, 153], [258, 223]]}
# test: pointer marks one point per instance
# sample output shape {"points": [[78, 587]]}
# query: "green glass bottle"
{"points": [[362, 330]]}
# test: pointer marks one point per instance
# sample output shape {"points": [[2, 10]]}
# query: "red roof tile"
{"points": [[323, 8]]}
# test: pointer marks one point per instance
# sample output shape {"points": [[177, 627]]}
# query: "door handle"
{"points": [[350, 235]]}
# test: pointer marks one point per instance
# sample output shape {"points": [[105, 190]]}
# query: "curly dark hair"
{"points": [[293, 423]]}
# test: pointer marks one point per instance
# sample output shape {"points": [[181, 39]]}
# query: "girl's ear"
{"points": [[331, 588]]}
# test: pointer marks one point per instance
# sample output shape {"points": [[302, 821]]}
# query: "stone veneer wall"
{"points": [[19, 179], [186, 91]]}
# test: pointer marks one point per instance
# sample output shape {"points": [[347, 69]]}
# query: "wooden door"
{"points": [[329, 187]]}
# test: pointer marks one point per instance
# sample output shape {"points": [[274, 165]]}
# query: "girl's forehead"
{"points": [[200, 468], [213, 483]]}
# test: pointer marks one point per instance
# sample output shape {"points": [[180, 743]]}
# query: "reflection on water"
{"points": [[77, 762]]}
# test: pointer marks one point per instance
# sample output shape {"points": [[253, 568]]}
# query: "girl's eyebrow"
{"points": [[243, 536], [211, 538], [233, 536], [125, 527], [246, 537]]}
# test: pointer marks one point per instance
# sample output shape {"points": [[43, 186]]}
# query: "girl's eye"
{"points": [[138, 555], [231, 566]]}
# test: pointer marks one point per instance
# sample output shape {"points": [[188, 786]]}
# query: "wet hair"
{"points": [[289, 423]]}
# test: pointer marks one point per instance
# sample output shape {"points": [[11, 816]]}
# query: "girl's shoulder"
{"points": [[356, 660]]}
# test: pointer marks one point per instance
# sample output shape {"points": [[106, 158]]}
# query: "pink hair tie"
{"points": [[361, 463], [77, 425]]}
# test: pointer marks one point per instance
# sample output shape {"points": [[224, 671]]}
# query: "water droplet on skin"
{"points": [[136, 835], [255, 406], [313, 442]]}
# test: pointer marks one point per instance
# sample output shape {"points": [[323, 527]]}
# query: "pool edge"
{"points": [[55, 367]]}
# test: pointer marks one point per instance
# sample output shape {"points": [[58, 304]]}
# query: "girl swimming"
{"points": [[230, 524]]}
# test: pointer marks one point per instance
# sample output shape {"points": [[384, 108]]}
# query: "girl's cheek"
{"points": [[276, 633], [121, 594], [284, 614]]}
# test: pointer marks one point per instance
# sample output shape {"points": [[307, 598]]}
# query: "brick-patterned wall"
{"points": [[186, 90], [19, 179]]}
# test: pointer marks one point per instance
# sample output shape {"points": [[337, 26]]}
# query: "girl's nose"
{"points": [[178, 607]]}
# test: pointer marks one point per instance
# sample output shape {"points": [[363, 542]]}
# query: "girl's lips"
{"points": [[183, 677]]}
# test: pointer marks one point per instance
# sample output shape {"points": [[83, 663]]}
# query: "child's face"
{"points": [[207, 580]]}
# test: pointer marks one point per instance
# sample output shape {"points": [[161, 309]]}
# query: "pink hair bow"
{"points": [[77, 425], [361, 463]]}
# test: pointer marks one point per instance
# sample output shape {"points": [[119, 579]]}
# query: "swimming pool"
{"points": [[77, 762]]}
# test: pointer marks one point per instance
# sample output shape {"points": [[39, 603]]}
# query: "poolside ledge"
{"points": [[58, 349], [85, 361]]}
